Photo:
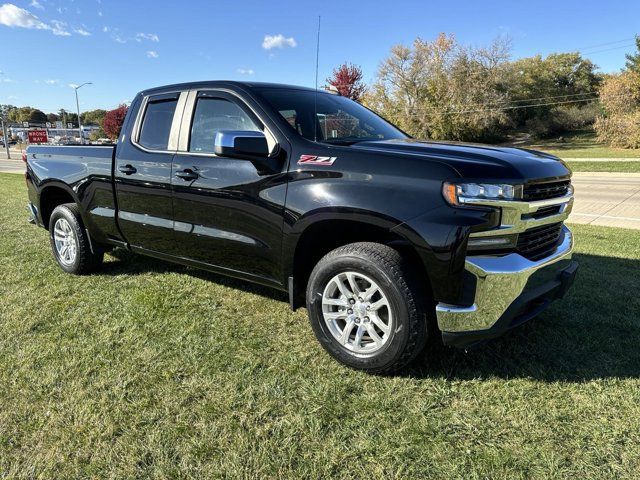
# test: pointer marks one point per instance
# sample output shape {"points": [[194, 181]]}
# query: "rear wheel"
{"points": [[366, 307], [70, 242]]}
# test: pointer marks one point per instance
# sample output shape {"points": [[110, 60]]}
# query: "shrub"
{"points": [[619, 124]]}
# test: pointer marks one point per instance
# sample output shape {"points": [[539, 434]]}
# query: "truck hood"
{"points": [[474, 160]]}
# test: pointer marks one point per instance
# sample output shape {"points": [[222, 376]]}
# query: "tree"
{"points": [[93, 117], [347, 79], [633, 60], [554, 93], [441, 89], [27, 114], [619, 125], [113, 121], [5, 111], [52, 118]]}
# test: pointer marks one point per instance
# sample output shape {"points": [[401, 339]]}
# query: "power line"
{"points": [[506, 103], [457, 112]]}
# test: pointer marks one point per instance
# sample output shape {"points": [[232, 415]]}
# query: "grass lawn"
{"points": [[152, 370], [579, 145], [621, 167]]}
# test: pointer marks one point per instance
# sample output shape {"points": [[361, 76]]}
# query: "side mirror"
{"points": [[241, 144]]}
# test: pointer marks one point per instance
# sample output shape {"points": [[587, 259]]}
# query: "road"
{"points": [[607, 199]]}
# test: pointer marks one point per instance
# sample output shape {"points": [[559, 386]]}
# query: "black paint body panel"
{"points": [[237, 219]]}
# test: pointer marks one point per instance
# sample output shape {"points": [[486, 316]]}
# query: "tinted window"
{"points": [[328, 118], [156, 125], [213, 115]]}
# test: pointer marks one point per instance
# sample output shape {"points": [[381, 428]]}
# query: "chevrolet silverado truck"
{"points": [[386, 239]]}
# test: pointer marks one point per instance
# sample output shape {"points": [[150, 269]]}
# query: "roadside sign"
{"points": [[48, 124], [59, 125], [38, 136], [25, 124], [69, 125]]}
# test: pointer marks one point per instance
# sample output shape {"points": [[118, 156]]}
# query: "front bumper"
{"points": [[508, 291]]}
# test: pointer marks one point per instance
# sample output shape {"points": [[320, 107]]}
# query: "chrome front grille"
{"points": [[534, 226], [543, 191]]}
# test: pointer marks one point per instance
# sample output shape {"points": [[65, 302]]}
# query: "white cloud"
{"points": [[118, 39], [52, 82], [152, 54], [13, 16], [99, 13], [147, 36], [82, 31], [73, 85], [246, 71], [36, 4], [105, 29], [278, 41], [59, 28]]}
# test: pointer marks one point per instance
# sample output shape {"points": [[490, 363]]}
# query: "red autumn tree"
{"points": [[113, 121], [347, 79]]}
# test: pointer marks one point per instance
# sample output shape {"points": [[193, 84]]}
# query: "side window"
{"points": [[156, 125], [212, 115]]}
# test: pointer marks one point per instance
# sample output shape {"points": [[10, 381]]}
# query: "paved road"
{"points": [[608, 199], [15, 165]]}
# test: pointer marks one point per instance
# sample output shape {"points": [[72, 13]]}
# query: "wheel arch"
{"points": [[316, 235], [52, 195]]}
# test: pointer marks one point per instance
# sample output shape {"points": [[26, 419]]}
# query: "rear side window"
{"points": [[156, 125], [211, 116]]}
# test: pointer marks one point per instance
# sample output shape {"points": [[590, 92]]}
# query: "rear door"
{"points": [[228, 212], [143, 172]]}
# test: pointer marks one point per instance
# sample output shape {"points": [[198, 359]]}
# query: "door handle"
{"points": [[127, 169], [187, 174]]}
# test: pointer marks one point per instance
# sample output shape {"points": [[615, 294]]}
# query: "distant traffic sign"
{"points": [[48, 124], [38, 136], [25, 124], [69, 125], [59, 125]]}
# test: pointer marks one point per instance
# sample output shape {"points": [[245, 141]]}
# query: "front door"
{"points": [[228, 213], [143, 174]]}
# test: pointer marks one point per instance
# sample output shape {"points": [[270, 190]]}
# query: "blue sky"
{"points": [[126, 46]]}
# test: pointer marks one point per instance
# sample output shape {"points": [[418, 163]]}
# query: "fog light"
{"points": [[489, 243]]}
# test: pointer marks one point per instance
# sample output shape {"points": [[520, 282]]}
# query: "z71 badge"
{"points": [[315, 160]]}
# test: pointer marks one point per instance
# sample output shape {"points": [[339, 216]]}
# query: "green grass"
{"points": [[150, 370], [620, 167], [582, 144]]}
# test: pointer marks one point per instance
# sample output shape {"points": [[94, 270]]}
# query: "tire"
{"points": [[397, 305], [66, 228]]}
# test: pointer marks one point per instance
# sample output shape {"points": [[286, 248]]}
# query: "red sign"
{"points": [[37, 136]]}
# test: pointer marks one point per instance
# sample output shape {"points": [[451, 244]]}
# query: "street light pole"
{"points": [[78, 108]]}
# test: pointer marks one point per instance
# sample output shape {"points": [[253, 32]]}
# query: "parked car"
{"points": [[386, 239]]}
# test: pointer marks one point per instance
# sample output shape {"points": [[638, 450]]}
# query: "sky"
{"points": [[123, 47]]}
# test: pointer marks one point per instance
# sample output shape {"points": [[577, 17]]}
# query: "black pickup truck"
{"points": [[388, 240]]}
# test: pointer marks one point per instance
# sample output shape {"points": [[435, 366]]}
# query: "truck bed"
{"points": [[85, 172]]}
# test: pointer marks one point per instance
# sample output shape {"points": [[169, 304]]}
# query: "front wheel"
{"points": [[366, 307], [70, 241]]}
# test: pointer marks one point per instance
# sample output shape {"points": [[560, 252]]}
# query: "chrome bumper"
{"points": [[499, 281]]}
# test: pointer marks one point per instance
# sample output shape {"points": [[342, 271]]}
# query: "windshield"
{"points": [[338, 119]]}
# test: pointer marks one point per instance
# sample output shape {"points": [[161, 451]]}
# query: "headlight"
{"points": [[453, 192]]}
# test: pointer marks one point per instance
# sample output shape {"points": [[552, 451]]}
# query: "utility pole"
{"points": [[3, 118], [78, 108], [6, 137]]}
